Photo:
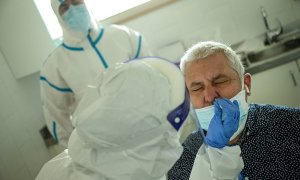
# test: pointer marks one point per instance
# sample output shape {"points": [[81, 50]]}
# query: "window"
{"points": [[112, 11], [103, 11]]}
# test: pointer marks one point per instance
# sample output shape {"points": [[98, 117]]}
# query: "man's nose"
{"points": [[210, 94]]}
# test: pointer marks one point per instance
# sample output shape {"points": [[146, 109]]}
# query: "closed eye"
{"points": [[196, 86], [221, 81]]}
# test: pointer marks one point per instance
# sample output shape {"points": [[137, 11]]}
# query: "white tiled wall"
{"points": [[229, 21], [22, 151]]}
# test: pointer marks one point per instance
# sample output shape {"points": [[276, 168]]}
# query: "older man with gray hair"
{"points": [[268, 135]]}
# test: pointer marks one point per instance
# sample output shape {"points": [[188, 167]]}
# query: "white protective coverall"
{"points": [[127, 125], [78, 61]]}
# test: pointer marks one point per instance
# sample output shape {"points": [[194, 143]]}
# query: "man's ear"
{"points": [[247, 83]]}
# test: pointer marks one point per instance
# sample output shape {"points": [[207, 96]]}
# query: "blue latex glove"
{"points": [[224, 123]]}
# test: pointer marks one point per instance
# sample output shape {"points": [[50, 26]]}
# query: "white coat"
{"points": [[79, 60]]}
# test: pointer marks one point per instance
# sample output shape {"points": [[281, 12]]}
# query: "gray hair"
{"points": [[202, 50]]}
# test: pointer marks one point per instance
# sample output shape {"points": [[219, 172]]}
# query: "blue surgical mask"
{"points": [[78, 18], [205, 115]]}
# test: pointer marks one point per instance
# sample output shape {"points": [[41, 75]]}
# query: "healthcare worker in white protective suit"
{"points": [[86, 51], [127, 126]]}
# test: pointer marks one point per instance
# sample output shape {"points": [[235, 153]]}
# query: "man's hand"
{"points": [[224, 123]]}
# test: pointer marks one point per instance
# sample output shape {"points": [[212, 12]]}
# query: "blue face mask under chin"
{"points": [[205, 115], [77, 18]]}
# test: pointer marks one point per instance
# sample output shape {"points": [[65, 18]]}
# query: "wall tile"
{"points": [[8, 79], [22, 174], [35, 155], [296, 8], [19, 126], [10, 156], [2, 60], [286, 17], [274, 6], [3, 172], [6, 105]]}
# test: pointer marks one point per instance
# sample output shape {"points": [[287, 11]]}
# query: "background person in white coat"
{"points": [[86, 51]]}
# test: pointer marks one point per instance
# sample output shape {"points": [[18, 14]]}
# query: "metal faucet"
{"points": [[271, 35]]}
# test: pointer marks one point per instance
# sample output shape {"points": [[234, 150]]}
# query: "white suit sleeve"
{"points": [[217, 164], [138, 43], [142, 47], [57, 106]]}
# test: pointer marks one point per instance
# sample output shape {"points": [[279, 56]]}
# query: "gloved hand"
{"points": [[224, 123]]}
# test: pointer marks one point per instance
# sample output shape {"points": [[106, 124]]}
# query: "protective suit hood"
{"points": [[122, 128], [70, 36]]}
